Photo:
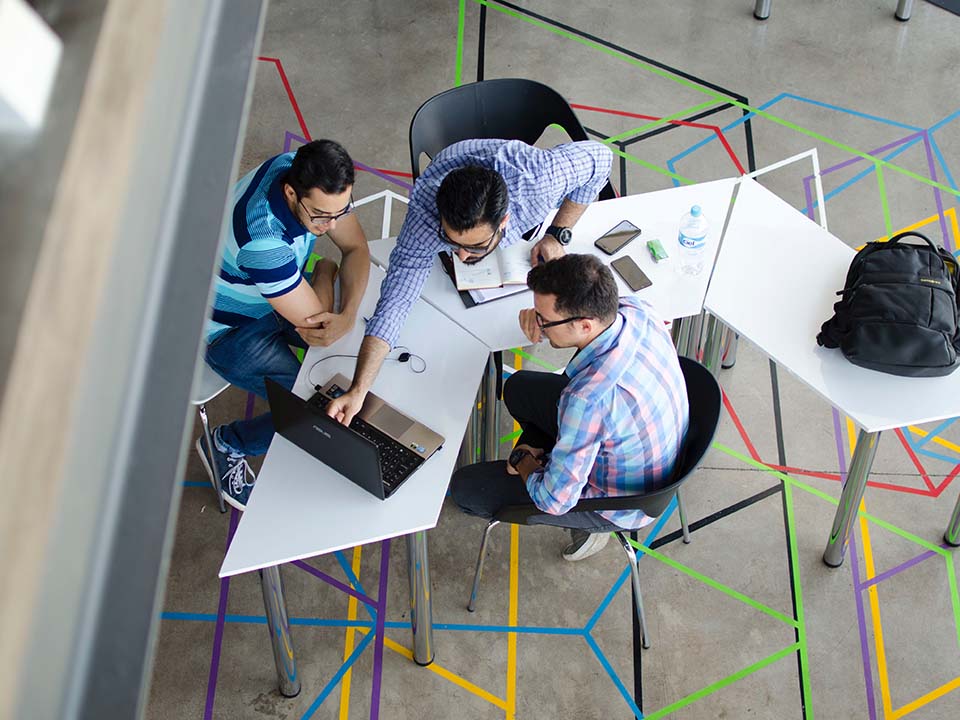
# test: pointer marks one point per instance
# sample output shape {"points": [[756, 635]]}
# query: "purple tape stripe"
{"points": [[899, 568], [855, 567], [938, 198], [336, 583], [221, 619], [381, 620], [388, 178]]}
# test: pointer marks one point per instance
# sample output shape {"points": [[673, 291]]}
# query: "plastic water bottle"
{"points": [[692, 239]]}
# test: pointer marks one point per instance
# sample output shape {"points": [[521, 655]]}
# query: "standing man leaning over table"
{"points": [[474, 196], [263, 299]]}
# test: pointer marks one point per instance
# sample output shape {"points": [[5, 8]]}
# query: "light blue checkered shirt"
{"points": [[538, 181]]}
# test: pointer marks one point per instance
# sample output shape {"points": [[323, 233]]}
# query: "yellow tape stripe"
{"points": [[938, 440], [447, 675], [950, 213], [928, 698], [512, 622], [348, 641]]}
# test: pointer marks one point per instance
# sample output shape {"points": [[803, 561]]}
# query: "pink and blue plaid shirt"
{"points": [[622, 418]]}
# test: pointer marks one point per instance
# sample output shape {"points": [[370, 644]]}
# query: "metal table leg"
{"points": [[850, 497], [279, 627], [952, 535], [728, 358], [490, 409], [904, 9], [761, 11], [421, 605]]}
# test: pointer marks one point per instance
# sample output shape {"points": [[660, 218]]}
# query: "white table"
{"points": [[300, 508], [775, 282], [672, 295]]}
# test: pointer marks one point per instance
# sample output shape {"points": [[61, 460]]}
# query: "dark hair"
{"points": [[581, 284], [470, 196], [322, 164]]}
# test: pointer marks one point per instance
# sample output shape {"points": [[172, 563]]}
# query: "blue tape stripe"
{"points": [[355, 581], [335, 680], [948, 119], [937, 456], [657, 527], [855, 113], [943, 163], [931, 435], [613, 676]]}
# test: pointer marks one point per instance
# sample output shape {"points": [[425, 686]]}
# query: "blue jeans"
{"points": [[244, 356]]}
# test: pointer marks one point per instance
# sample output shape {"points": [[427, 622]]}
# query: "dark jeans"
{"points": [[483, 489], [244, 357]]}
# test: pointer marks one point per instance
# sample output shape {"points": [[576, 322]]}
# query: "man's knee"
{"points": [[514, 390]]}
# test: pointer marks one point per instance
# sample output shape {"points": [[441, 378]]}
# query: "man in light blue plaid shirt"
{"points": [[474, 196]]}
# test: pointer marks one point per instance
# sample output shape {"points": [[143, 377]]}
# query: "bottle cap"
{"points": [[695, 211]]}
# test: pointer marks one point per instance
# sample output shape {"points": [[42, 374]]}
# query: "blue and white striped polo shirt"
{"points": [[264, 253]]}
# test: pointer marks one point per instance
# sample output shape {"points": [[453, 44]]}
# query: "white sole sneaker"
{"points": [[594, 543], [227, 498]]}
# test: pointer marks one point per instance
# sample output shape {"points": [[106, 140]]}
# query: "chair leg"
{"points": [[638, 598], [472, 605], [215, 481], [681, 511]]}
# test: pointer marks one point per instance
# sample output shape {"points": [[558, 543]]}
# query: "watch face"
{"points": [[516, 456], [565, 236]]}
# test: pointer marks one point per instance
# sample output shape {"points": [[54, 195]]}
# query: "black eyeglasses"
{"points": [[326, 219], [554, 323], [478, 251]]}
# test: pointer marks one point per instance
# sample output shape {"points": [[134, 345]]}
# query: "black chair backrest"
{"points": [[705, 399], [508, 108]]}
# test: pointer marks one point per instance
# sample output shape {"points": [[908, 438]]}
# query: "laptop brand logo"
{"points": [[321, 431]]}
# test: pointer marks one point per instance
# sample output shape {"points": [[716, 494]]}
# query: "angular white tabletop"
{"points": [[775, 283], [657, 214], [300, 508]]}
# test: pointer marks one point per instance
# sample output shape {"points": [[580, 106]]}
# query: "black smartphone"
{"points": [[631, 273], [617, 238]]}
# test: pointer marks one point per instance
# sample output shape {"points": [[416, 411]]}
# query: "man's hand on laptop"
{"points": [[325, 328], [344, 408], [528, 323]]}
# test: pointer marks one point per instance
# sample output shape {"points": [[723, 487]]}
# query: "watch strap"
{"points": [[561, 233]]}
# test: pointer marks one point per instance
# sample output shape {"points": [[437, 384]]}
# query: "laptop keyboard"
{"points": [[397, 463]]}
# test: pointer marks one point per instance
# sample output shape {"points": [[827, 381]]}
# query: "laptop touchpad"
{"points": [[390, 421]]}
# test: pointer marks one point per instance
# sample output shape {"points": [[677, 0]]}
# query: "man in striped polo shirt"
{"points": [[263, 299], [611, 424]]}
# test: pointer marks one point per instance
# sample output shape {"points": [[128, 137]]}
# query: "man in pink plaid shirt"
{"points": [[611, 424]]}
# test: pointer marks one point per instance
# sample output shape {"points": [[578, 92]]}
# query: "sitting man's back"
{"points": [[611, 425]]}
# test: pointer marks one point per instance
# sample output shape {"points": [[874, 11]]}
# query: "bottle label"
{"points": [[692, 243]]}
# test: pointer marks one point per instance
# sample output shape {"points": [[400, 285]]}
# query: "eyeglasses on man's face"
{"points": [[476, 251], [544, 325], [323, 219]]}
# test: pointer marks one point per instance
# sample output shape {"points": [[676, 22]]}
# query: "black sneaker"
{"points": [[236, 478]]}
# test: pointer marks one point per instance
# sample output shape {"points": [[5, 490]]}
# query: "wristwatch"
{"points": [[517, 456], [563, 234]]}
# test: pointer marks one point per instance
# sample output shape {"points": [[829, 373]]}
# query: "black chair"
{"points": [[508, 108], [705, 402]]}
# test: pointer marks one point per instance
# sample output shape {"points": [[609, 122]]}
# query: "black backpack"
{"points": [[898, 310]]}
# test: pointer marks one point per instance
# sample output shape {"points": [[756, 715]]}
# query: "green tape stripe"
{"points": [[798, 601], [311, 262], [954, 597], [714, 584], [458, 63], [511, 437], [718, 96], [535, 360], [729, 680], [662, 121], [881, 182], [927, 545], [650, 166]]}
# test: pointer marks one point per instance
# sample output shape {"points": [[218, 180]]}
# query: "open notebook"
{"points": [[502, 267]]}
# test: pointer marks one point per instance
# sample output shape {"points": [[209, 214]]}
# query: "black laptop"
{"points": [[379, 451]]}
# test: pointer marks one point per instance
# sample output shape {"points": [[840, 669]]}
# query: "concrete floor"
{"points": [[834, 75]]}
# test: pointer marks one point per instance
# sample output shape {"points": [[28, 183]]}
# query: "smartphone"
{"points": [[631, 273], [616, 238]]}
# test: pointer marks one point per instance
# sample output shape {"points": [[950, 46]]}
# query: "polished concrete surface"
{"points": [[745, 622]]}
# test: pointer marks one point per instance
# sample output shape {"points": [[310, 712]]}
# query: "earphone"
{"points": [[416, 363]]}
